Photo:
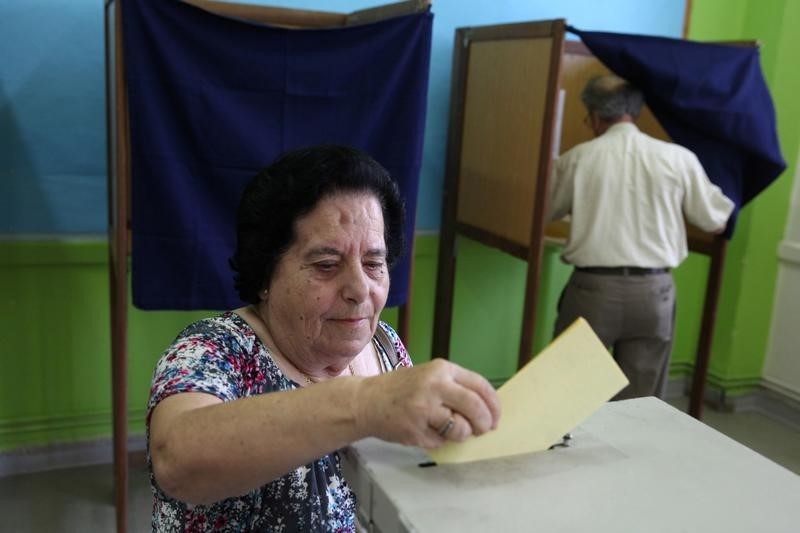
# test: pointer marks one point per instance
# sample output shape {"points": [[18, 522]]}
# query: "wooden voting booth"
{"points": [[515, 104], [119, 185]]}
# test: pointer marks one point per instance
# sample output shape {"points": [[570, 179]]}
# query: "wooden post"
{"points": [[118, 187], [536, 246], [706, 338], [446, 269], [404, 311]]}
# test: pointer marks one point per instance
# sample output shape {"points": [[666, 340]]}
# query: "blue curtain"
{"points": [[710, 98], [214, 99]]}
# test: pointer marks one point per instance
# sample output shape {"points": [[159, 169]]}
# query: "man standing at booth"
{"points": [[627, 194]]}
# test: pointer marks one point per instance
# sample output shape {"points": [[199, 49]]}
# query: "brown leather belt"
{"points": [[622, 271]]}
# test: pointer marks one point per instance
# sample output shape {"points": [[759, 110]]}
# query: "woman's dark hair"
{"points": [[291, 187]]}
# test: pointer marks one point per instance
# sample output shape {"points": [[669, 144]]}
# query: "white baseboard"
{"points": [[768, 402], [66, 455], [777, 404]]}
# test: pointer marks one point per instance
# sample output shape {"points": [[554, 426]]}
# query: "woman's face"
{"points": [[328, 289]]}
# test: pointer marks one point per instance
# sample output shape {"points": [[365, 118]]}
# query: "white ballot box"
{"points": [[633, 466]]}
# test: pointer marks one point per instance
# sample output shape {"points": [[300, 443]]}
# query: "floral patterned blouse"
{"points": [[224, 357]]}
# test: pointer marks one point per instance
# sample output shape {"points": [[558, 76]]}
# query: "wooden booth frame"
{"points": [[119, 187], [507, 122]]}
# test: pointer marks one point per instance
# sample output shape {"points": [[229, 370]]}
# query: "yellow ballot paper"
{"points": [[547, 398]]}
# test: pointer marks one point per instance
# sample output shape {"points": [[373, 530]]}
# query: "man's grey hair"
{"points": [[611, 97]]}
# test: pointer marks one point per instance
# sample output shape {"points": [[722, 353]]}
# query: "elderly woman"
{"points": [[247, 409]]}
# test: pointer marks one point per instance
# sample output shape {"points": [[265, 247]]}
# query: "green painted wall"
{"points": [[746, 305], [55, 382], [55, 385]]}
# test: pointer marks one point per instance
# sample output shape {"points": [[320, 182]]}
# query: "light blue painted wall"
{"points": [[52, 110], [52, 117]]}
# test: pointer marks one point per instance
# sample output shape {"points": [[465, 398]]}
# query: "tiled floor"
{"points": [[71, 500], [81, 499]]}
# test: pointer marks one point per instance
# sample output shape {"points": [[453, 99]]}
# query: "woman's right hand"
{"points": [[412, 406]]}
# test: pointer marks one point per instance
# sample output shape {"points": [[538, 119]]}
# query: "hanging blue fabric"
{"points": [[710, 98], [214, 99]]}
